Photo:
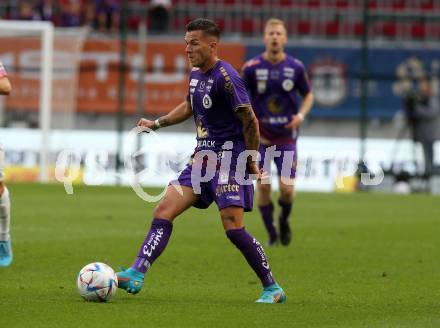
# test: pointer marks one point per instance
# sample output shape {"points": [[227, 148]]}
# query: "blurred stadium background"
{"points": [[115, 61]]}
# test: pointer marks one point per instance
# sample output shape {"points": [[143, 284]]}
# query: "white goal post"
{"points": [[46, 31]]}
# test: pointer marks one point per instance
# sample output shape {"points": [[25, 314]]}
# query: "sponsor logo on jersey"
{"points": [[202, 132], [278, 120], [262, 73], [193, 82], [287, 85], [206, 144], [289, 72], [228, 83], [201, 86], [209, 85], [274, 105], [261, 86]]}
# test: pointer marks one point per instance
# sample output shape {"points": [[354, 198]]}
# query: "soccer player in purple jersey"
{"points": [[226, 126], [5, 203], [274, 80]]}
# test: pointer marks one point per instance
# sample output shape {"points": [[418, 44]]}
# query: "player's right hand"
{"points": [[259, 173], [144, 123]]}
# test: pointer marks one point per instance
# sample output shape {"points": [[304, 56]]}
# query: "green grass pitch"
{"points": [[359, 260]]}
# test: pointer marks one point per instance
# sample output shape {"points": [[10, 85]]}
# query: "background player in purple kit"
{"points": [[273, 80], [226, 124], [5, 203]]}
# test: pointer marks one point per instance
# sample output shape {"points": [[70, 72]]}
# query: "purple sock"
{"points": [[254, 254], [286, 208], [153, 245], [267, 215]]}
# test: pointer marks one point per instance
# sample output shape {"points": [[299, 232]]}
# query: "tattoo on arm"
{"points": [[179, 114], [250, 127]]}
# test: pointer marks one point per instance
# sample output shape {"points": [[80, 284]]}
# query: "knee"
{"points": [[162, 211], [287, 195], [264, 189], [230, 222], [263, 194]]}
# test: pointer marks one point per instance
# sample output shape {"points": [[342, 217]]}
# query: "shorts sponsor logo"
{"points": [[233, 197], [221, 189]]}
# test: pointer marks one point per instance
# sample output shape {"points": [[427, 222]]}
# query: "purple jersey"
{"points": [[274, 92], [215, 96]]}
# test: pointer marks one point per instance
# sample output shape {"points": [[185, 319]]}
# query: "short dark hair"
{"points": [[208, 27]]}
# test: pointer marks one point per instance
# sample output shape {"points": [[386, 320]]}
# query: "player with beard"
{"points": [[274, 79], [226, 127]]}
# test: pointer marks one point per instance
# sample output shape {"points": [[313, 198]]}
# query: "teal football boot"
{"points": [[272, 294], [5, 253], [130, 280]]}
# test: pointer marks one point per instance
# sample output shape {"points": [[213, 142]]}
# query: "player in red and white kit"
{"points": [[5, 204]]}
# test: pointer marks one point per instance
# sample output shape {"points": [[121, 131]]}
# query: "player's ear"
{"points": [[213, 45]]}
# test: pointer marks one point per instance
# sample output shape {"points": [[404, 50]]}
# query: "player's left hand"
{"points": [[294, 123]]}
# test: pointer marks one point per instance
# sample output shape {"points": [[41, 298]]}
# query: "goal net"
{"points": [[42, 64]]}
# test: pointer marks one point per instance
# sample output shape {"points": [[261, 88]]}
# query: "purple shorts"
{"points": [[225, 194], [288, 157]]}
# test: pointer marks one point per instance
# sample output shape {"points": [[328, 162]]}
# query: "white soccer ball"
{"points": [[97, 282]]}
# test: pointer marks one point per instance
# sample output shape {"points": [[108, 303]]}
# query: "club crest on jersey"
{"points": [[207, 101], [287, 85]]}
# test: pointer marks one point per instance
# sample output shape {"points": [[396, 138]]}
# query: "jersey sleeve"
{"points": [[3, 72], [246, 76], [232, 87], [303, 82]]}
